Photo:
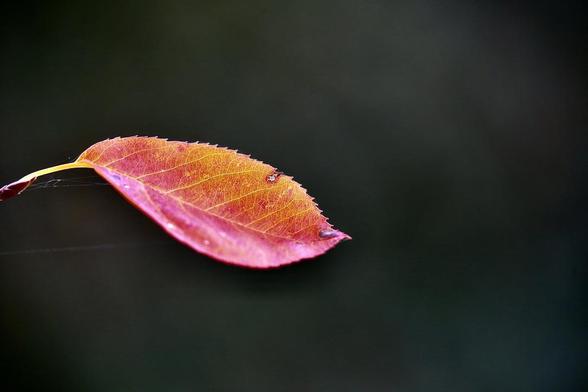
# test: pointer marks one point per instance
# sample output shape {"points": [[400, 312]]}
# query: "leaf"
{"points": [[217, 201]]}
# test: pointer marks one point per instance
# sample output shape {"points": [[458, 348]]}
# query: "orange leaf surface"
{"points": [[217, 201]]}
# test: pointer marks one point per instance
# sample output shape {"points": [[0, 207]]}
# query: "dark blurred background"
{"points": [[444, 136]]}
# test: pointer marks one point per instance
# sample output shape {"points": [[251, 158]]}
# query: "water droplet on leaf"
{"points": [[274, 176], [327, 233]]}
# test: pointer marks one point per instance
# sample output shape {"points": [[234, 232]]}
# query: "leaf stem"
{"points": [[53, 169]]}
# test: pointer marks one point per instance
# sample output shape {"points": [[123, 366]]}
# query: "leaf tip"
{"points": [[331, 233]]}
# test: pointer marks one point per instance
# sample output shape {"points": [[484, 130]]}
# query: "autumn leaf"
{"points": [[215, 200]]}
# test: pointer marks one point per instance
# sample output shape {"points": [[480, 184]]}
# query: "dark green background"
{"points": [[443, 136]]}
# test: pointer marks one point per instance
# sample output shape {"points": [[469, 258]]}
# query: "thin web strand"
{"points": [[80, 248], [85, 181]]}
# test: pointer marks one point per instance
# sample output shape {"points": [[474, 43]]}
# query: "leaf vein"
{"points": [[112, 143], [287, 218], [134, 153], [208, 179], [239, 197], [180, 165], [271, 213]]}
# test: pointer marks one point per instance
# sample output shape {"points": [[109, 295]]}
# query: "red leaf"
{"points": [[215, 200]]}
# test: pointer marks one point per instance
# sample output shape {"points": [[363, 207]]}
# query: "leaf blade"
{"points": [[216, 200]]}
